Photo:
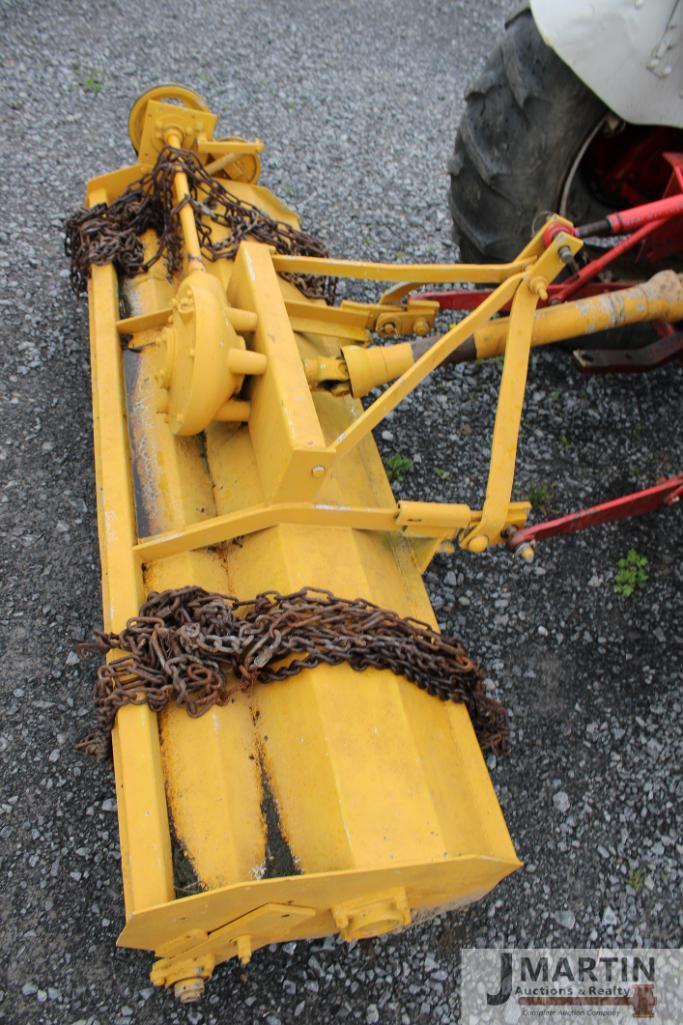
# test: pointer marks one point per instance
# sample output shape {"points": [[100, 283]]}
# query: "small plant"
{"points": [[441, 474], [631, 574], [565, 443], [397, 467], [90, 81], [541, 497], [636, 880]]}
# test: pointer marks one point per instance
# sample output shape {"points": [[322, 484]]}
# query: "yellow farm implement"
{"points": [[234, 455]]}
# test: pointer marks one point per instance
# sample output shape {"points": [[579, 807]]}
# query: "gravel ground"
{"points": [[357, 102]]}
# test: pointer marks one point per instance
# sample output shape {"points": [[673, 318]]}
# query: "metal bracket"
{"points": [[361, 919], [630, 361], [416, 317], [195, 955], [162, 118]]}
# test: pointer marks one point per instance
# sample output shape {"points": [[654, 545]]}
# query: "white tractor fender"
{"points": [[628, 52]]}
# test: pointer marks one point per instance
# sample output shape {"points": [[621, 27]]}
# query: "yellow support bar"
{"points": [[511, 394], [219, 529], [533, 249], [435, 519], [143, 818], [416, 273], [507, 423]]}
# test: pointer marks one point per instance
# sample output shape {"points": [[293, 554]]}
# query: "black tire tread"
{"points": [[526, 116]]}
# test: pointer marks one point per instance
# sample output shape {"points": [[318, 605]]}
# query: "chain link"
{"points": [[197, 649], [110, 233]]}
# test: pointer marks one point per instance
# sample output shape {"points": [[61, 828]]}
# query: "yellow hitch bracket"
{"points": [[190, 100], [163, 120], [439, 519], [416, 317], [425, 519]]}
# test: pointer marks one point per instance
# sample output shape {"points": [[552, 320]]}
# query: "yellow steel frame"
{"points": [[329, 754]]}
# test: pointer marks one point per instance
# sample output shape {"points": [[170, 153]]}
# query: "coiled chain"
{"points": [[196, 649], [110, 233]]}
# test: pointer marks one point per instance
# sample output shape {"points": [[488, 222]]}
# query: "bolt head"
{"points": [[318, 471], [186, 307], [538, 286]]}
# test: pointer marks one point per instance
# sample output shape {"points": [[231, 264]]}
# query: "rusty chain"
{"points": [[110, 233], [197, 649]]}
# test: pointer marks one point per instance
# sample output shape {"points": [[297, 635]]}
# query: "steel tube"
{"points": [[660, 298], [181, 191]]}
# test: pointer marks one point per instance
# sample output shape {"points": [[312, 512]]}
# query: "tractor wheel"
{"points": [[527, 120]]}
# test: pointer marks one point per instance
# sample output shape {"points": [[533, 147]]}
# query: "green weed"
{"points": [[397, 467], [541, 497], [90, 80], [636, 880], [631, 574]]}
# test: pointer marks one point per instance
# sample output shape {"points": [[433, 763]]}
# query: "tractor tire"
{"points": [[527, 118]]}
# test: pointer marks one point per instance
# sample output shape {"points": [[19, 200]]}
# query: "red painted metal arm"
{"points": [[638, 216], [635, 504], [470, 298]]}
